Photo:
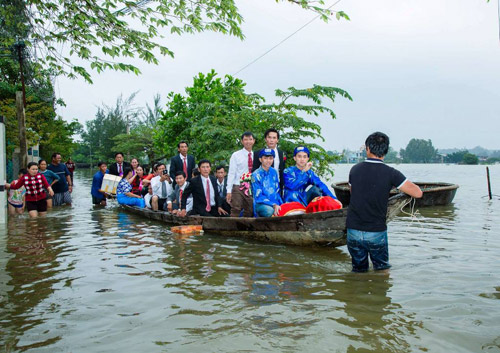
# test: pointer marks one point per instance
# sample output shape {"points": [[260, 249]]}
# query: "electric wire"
{"points": [[284, 40]]}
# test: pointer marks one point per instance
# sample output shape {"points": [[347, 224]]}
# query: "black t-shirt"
{"points": [[371, 181]]}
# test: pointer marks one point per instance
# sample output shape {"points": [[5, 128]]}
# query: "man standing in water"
{"points": [[63, 188], [370, 182]]}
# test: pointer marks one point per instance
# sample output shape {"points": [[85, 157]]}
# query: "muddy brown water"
{"points": [[87, 279]]}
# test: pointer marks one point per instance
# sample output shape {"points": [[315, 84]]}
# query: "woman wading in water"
{"points": [[36, 198]]}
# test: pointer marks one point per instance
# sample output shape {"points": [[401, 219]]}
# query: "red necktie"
{"points": [[207, 195], [180, 196], [250, 162], [120, 171], [184, 167]]}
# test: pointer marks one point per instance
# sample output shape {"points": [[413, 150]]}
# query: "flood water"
{"points": [[101, 280]]}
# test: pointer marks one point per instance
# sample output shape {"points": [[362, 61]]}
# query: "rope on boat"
{"points": [[413, 214]]}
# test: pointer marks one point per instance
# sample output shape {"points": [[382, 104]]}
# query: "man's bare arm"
{"points": [[411, 189]]}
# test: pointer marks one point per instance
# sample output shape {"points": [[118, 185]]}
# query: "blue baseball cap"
{"points": [[301, 149], [266, 152]]}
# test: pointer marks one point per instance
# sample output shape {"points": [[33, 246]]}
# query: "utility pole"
{"points": [[3, 192], [21, 120], [20, 45]]}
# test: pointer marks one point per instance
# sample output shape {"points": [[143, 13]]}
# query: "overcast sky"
{"points": [[425, 69]]}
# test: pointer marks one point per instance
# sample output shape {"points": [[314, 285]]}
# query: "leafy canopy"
{"points": [[101, 32], [419, 151], [215, 112]]}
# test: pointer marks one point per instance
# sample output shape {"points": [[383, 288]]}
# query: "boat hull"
{"points": [[434, 194], [314, 229]]}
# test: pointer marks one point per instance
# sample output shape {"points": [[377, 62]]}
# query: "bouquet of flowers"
{"points": [[245, 183]]}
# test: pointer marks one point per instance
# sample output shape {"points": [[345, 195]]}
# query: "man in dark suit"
{"points": [[176, 196], [118, 167], [221, 175], [182, 162], [272, 137], [206, 199]]}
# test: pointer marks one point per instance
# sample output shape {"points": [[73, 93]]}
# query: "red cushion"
{"points": [[323, 203], [291, 209]]}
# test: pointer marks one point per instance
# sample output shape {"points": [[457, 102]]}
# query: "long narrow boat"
{"points": [[321, 228], [435, 194]]}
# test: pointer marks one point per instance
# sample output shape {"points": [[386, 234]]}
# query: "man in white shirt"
{"points": [[239, 197], [162, 188], [272, 137]]}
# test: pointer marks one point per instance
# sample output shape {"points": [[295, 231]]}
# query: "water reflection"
{"points": [[242, 278], [33, 268]]}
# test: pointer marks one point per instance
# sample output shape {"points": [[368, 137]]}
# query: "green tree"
{"points": [[456, 157], [470, 158], [215, 112], [139, 143], [109, 122], [117, 29], [418, 151], [43, 125], [392, 156]]}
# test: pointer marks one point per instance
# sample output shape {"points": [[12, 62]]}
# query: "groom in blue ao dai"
{"points": [[266, 186]]}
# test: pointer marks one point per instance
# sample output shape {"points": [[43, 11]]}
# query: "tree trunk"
{"points": [[21, 119]]}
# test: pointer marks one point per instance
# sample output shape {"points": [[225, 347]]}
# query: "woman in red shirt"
{"points": [[36, 198], [136, 180]]}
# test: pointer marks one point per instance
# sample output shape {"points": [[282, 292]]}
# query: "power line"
{"points": [[284, 40]]}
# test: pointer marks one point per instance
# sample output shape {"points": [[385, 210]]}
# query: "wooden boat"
{"points": [[435, 194], [321, 228]]}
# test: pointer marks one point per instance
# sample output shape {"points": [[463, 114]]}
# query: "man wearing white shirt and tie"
{"points": [[241, 162], [162, 188]]}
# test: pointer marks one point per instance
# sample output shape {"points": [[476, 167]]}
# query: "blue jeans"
{"points": [[263, 210], [361, 244]]}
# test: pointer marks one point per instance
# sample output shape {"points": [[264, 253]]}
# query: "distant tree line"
{"points": [[422, 151]]}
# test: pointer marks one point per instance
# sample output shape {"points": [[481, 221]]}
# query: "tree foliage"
{"points": [[418, 151], [43, 126], [470, 158], [392, 156], [216, 111], [101, 32], [109, 122], [456, 157], [139, 143]]}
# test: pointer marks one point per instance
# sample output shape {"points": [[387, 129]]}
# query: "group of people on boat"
{"points": [[41, 186], [258, 184], [255, 184]]}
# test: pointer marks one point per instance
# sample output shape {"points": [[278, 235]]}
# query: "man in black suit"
{"points": [[221, 175], [272, 137], [176, 196], [118, 167], [182, 162], [203, 188]]}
